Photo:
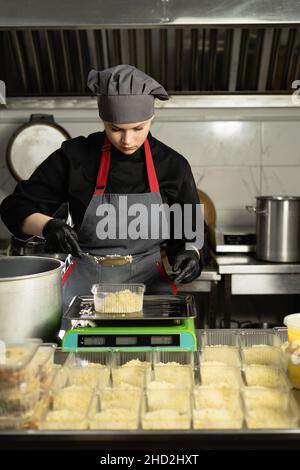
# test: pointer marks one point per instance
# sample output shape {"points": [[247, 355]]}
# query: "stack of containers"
{"points": [[118, 406], [237, 379], [19, 383], [73, 388], [267, 394], [216, 398], [167, 399]]}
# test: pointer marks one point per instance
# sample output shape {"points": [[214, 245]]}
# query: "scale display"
{"points": [[115, 341]]}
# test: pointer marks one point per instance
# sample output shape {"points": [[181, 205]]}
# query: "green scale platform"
{"points": [[166, 323]]}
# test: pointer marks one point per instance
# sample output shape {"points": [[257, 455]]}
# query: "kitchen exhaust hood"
{"points": [[190, 46], [146, 13]]}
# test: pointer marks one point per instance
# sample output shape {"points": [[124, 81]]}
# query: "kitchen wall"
{"points": [[238, 147]]}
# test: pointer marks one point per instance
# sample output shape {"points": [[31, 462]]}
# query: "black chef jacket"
{"points": [[69, 175]]}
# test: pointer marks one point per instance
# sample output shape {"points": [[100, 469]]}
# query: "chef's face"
{"points": [[127, 137]]}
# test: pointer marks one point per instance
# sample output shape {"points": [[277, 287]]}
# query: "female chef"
{"points": [[117, 169]]}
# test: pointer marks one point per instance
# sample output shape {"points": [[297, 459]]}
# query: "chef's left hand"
{"points": [[189, 264]]}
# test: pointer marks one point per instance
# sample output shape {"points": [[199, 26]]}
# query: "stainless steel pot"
{"points": [[277, 228], [30, 297]]}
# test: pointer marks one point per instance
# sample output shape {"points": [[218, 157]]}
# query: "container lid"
{"points": [[292, 320]]}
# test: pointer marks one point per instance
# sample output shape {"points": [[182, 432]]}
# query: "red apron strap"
{"points": [[68, 271], [105, 164], [103, 168], [166, 277], [152, 178]]}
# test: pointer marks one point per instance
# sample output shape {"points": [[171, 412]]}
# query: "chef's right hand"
{"points": [[61, 238]]}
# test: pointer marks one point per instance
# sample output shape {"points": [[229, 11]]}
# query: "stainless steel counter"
{"points": [[203, 283], [249, 275], [247, 264]]}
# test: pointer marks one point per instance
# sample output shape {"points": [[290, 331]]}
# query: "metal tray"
{"points": [[155, 307]]}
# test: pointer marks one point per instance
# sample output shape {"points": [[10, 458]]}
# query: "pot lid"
{"points": [[32, 143], [279, 198]]}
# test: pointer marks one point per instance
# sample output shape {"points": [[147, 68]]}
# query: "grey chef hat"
{"points": [[125, 94]]}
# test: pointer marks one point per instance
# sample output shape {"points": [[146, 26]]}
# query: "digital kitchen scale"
{"points": [[166, 323], [234, 240]]}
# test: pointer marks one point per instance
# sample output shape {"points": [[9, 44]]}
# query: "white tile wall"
{"points": [[281, 143], [281, 180], [213, 143], [232, 160]]}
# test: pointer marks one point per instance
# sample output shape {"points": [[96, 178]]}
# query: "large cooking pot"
{"points": [[277, 228], [30, 297]]}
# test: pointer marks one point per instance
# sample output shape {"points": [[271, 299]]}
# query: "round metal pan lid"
{"points": [[31, 144]]}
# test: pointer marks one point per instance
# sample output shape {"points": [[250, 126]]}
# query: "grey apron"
{"points": [[146, 266]]}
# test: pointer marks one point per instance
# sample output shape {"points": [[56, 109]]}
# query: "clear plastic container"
{"points": [[273, 418], [220, 374], [118, 298], [282, 333], [45, 362], [255, 337], [220, 337], [218, 418], [20, 401], [16, 363], [263, 397], [266, 376], [215, 396], [120, 398], [166, 395], [174, 367], [227, 355], [89, 368], [64, 420], [28, 421], [173, 357], [164, 418], [263, 355], [116, 416], [132, 367]]}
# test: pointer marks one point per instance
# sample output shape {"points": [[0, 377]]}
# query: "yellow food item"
{"points": [[293, 334], [165, 395], [263, 354], [137, 363], [123, 301], [268, 419], [166, 419], [294, 374], [263, 397], [178, 374], [215, 396], [118, 398], [73, 398], [265, 376], [212, 418], [114, 418], [64, 419], [220, 375], [131, 375], [93, 375], [227, 355]]}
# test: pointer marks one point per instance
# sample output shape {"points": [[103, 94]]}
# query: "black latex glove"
{"points": [[61, 238], [189, 264]]}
